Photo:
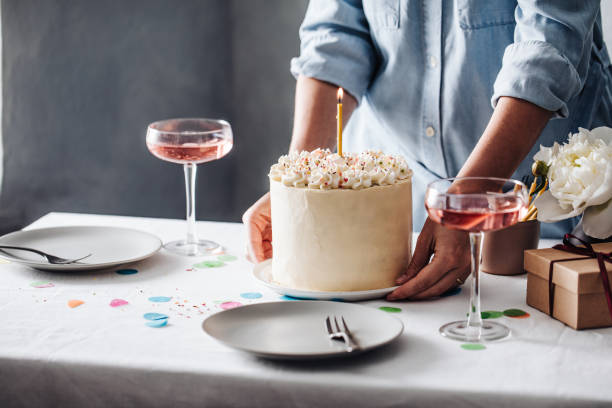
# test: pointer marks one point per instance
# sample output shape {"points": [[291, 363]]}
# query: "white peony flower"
{"points": [[580, 181]]}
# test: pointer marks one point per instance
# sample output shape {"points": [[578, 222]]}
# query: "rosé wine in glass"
{"points": [[476, 205], [210, 148], [479, 219], [190, 142]]}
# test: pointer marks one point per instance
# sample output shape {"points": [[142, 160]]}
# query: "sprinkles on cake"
{"points": [[322, 169]]}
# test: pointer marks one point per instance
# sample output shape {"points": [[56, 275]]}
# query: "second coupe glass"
{"points": [[476, 205]]}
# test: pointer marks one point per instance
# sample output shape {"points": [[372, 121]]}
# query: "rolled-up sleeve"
{"points": [[548, 62], [336, 46]]}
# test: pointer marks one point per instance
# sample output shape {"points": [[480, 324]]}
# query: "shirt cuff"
{"points": [[336, 58], [537, 72]]}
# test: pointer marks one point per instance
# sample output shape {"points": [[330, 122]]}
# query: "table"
{"points": [[95, 355]]}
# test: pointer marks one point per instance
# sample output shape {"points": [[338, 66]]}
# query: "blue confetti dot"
{"points": [[251, 295], [126, 271], [285, 297], [157, 323], [155, 316], [452, 292], [160, 299]]}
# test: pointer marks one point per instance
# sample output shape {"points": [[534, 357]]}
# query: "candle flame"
{"points": [[340, 95]]}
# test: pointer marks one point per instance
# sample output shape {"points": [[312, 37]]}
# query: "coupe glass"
{"points": [[190, 142], [476, 205]]}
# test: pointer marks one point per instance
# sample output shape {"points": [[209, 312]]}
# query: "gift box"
{"points": [[570, 280]]}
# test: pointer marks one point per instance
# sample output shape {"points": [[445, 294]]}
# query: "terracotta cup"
{"points": [[502, 251]]}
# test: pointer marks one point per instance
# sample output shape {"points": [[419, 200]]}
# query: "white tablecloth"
{"points": [[96, 355]]}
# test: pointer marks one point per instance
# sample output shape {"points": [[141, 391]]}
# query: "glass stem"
{"points": [[474, 322], [190, 177]]}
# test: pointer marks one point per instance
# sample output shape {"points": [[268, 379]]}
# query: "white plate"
{"points": [[109, 246], [296, 330], [263, 273]]}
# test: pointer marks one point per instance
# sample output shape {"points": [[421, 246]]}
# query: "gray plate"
{"points": [[109, 246], [296, 330]]}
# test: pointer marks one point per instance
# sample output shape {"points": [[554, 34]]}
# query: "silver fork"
{"points": [[341, 333], [52, 259]]}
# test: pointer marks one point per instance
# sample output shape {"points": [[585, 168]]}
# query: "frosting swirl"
{"points": [[322, 169]]}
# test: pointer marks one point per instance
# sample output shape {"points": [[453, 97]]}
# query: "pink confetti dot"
{"points": [[42, 284], [118, 302], [229, 305]]}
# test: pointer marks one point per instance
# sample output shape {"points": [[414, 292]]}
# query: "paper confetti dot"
{"points": [[208, 264], [126, 271], [286, 297], [526, 315], [229, 305], [473, 346], [226, 258], [118, 302], [491, 314], [390, 309], [74, 303], [160, 299], [514, 313], [452, 292], [42, 284], [251, 295], [155, 316], [157, 323]]}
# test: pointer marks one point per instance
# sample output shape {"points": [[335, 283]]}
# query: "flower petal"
{"points": [[604, 133], [549, 209], [545, 155], [597, 221], [604, 192]]}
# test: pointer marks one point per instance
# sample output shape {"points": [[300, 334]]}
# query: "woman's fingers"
{"points": [[425, 279], [421, 256], [257, 220], [451, 261], [449, 281]]}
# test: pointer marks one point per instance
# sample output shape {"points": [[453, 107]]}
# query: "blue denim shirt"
{"points": [[428, 74]]}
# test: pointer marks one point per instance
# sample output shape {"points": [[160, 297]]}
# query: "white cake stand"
{"points": [[262, 272]]}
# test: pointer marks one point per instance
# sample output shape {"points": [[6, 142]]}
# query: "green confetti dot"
{"points": [[491, 314], [208, 264], [226, 258], [390, 309], [514, 312], [473, 346]]}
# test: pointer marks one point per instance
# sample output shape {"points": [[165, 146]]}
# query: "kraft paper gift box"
{"points": [[579, 298]]}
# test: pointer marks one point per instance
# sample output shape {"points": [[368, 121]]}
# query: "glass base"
{"points": [[489, 331], [199, 248]]}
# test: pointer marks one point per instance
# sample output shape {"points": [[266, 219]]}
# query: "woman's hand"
{"points": [[428, 277], [258, 222]]}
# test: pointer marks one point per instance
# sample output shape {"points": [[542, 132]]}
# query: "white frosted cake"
{"points": [[340, 223]]}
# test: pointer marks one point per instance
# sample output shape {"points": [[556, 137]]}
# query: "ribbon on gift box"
{"points": [[586, 251]]}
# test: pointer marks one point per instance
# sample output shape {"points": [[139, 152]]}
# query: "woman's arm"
{"points": [[314, 126], [512, 131]]}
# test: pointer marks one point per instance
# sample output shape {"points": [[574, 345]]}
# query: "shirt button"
{"points": [[430, 132], [433, 62]]}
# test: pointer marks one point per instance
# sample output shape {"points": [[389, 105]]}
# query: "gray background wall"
{"points": [[83, 78]]}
